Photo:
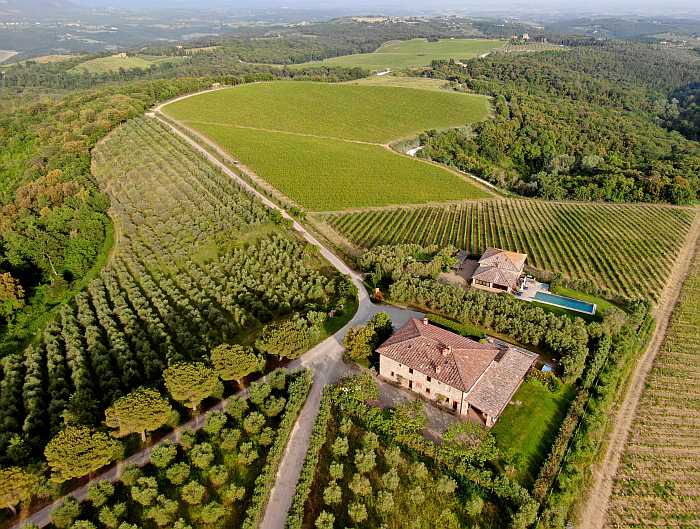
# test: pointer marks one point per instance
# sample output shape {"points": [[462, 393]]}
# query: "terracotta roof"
{"points": [[503, 259], [500, 267], [491, 274], [492, 393], [455, 360]]}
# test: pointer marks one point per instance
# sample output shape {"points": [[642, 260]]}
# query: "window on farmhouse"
{"points": [[428, 379], [427, 390], [410, 370]]}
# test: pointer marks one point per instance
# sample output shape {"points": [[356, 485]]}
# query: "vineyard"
{"points": [[658, 480], [198, 262], [324, 145], [623, 250]]}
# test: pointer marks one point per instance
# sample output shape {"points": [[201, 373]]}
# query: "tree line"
{"points": [[582, 124]]}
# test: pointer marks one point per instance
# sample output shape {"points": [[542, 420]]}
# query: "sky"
{"points": [[475, 7]]}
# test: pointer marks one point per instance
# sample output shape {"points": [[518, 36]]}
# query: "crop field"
{"points": [[413, 53], [325, 146], [624, 249], [422, 83], [197, 262], [658, 481], [113, 63], [375, 114]]}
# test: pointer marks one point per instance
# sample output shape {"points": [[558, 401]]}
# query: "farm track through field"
{"points": [[288, 132], [593, 512]]}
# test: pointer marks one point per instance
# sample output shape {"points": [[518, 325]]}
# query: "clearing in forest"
{"points": [[621, 249], [326, 146], [411, 54], [114, 63], [658, 478]]}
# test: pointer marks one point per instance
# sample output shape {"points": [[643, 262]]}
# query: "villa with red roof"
{"points": [[499, 270], [470, 378]]}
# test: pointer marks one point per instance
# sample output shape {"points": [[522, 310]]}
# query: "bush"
{"points": [[100, 492], [163, 454], [64, 515], [548, 379], [178, 473], [236, 407]]}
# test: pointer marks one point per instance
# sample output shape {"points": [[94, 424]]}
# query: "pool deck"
{"points": [[533, 287]]}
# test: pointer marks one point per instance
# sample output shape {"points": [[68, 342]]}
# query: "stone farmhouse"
{"points": [[472, 379], [499, 270]]}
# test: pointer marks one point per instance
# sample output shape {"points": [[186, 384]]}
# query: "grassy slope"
{"points": [[377, 114], [302, 148], [422, 83], [323, 175], [114, 63], [411, 53], [529, 424]]}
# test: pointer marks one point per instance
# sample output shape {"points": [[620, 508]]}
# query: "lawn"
{"points": [[114, 62], [324, 145], [411, 54], [529, 424], [326, 175], [377, 114]]}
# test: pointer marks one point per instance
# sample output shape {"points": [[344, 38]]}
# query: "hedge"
{"points": [[298, 392], [575, 472], [319, 435]]}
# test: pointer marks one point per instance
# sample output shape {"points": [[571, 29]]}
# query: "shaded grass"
{"points": [[529, 424]]}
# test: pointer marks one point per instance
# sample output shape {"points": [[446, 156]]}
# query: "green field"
{"points": [[114, 62], [529, 424], [422, 83], [623, 249], [376, 114], [411, 54], [325, 146]]}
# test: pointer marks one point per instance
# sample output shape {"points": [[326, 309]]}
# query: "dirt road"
{"points": [[593, 513]]}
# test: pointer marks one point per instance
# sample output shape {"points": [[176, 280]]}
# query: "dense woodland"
{"points": [[585, 123]]}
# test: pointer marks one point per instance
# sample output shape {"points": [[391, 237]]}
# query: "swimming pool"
{"points": [[565, 303]]}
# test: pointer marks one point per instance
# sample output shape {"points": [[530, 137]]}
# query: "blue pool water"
{"points": [[566, 303]]}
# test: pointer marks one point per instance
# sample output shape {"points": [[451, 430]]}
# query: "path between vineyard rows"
{"points": [[593, 512]]}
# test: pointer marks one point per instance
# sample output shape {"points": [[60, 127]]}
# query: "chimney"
{"points": [[447, 350], [438, 369], [425, 321]]}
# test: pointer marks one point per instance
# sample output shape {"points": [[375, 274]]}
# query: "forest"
{"points": [[54, 230], [583, 124]]}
